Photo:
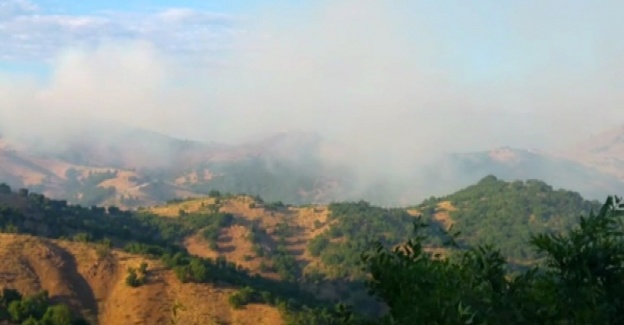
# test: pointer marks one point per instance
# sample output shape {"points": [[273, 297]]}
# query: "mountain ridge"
{"points": [[295, 167]]}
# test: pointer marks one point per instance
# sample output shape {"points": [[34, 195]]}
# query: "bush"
{"points": [[317, 245], [34, 310], [242, 297], [82, 237], [32, 306], [132, 279], [258, 250], [137, 277], [103, 250], [57, 315], [235, 301]]}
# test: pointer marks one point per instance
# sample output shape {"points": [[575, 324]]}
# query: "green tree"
{"points": [[57, 315], [31, 321], [242, 297], [317, 245], [584, 269], [5, 189], [33, 306], [132, 279], [581, 280], [10, 295]]}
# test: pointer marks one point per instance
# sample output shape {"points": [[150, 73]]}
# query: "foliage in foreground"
{"points": [[34, 310], [580, 279]]}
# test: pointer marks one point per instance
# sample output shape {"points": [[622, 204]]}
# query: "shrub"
{"points": [[137, 277], [242, 297]]}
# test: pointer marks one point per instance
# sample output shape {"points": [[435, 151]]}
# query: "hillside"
{"points": [[256, 227], [284, 262], [161, 241], [93, 285], [272, 240], [512, 164], [325, 241], [603, 152], [21, 168], [116, 165], [86, 185], [506, 214]]}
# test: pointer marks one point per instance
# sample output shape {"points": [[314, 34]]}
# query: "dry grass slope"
{"points": [[304, 223], [443, 215], [93, 285]]}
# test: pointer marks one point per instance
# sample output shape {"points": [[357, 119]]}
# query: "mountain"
{"points": [[111, 164], [116, 165], [519, 164], [505, 214], [604, 152], [216, 254], [212, 255], [20, 167]]}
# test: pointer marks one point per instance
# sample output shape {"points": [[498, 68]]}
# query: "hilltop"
{"points": [[506, 214]]}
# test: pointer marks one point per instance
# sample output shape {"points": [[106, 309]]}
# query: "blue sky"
{"points": [[89, 7], [34, 32]]}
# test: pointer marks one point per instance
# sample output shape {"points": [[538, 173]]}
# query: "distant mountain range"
{"points": [[603, 152], [116, 165], [130, 167], [512, 164]]}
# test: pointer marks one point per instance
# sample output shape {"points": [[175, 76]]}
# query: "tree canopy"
{"points": [[580, 281]]}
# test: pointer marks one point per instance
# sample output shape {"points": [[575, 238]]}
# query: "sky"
{"points": [[392, 78]]}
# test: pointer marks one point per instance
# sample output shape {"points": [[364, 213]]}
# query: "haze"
{"points": [[397, 81]]}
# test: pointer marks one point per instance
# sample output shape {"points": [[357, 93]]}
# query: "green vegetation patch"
{"points": [[34, 310], [354, 227], [506, 214]]}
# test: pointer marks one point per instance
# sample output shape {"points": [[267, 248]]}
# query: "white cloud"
{"points": [[27, 33], [12, 8], [184, 16]]}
